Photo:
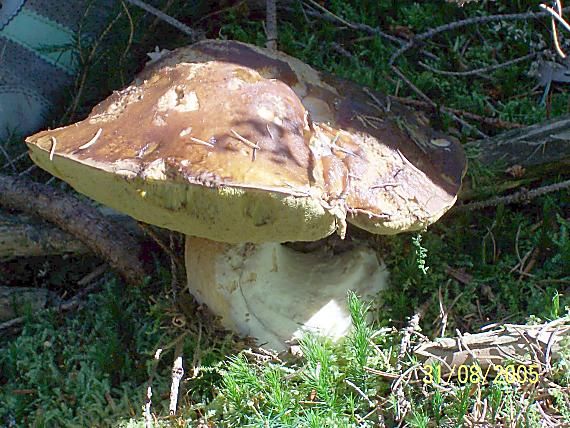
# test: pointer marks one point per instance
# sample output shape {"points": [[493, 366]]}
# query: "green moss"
{"points": [[65, 359]]}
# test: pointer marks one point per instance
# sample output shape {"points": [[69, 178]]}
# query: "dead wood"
{"points": [[523, 344], [519, 158], [15, 300], [106, 239], [26, 236], [541, 149]]}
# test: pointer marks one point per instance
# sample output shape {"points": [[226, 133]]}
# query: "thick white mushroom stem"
{"points": [[274, 293]]}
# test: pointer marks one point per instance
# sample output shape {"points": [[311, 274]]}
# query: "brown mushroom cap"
{"points": [[235, 143]]}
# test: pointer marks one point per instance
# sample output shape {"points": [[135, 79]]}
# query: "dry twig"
{"points": [[194, 35], [271, 24], [148, 403], [497, 123], [481, 70], [517, 197], [177, 374], [492, 348]]}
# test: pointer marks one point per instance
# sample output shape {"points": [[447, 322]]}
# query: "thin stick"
{"points": [[245, 140], [556, 16], [465, 22], [147, 407], [331, 17], [177, 374], [555, 31], [204, 143], [520, 196], [464, 123], [167, 18], [375, 99], [413, 87], [442, 312], [8, 158], [28, 170], [17, 158], [498, 123], [328, 12], [271, 24], [482, 70], [360, 392]]}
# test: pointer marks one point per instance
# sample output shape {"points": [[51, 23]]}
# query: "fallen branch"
{"points": [[537, 148], [106, 239], [26, 236], [463, 23], [489, 121], [482, 70], [525, 344], [193, 34], [528, 154], [325, 14], [520, 196]]}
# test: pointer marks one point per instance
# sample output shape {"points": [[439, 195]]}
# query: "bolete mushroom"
{"points": [[241, 149]]}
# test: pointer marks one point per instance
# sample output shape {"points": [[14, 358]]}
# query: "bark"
{"points": [[14, 301], [25, 236], [523, 344], [541, 149], [523, 156], [107, 240]]}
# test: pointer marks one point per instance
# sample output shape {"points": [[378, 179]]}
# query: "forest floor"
{"points": [[503, 264]]}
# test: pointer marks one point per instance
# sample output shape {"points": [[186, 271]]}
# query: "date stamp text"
{"points": [[472, 374]]}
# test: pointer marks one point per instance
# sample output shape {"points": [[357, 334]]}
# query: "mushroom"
{"points": [[241, 149]]}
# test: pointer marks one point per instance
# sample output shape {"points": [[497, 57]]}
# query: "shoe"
{"points": [[39, 57]]}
